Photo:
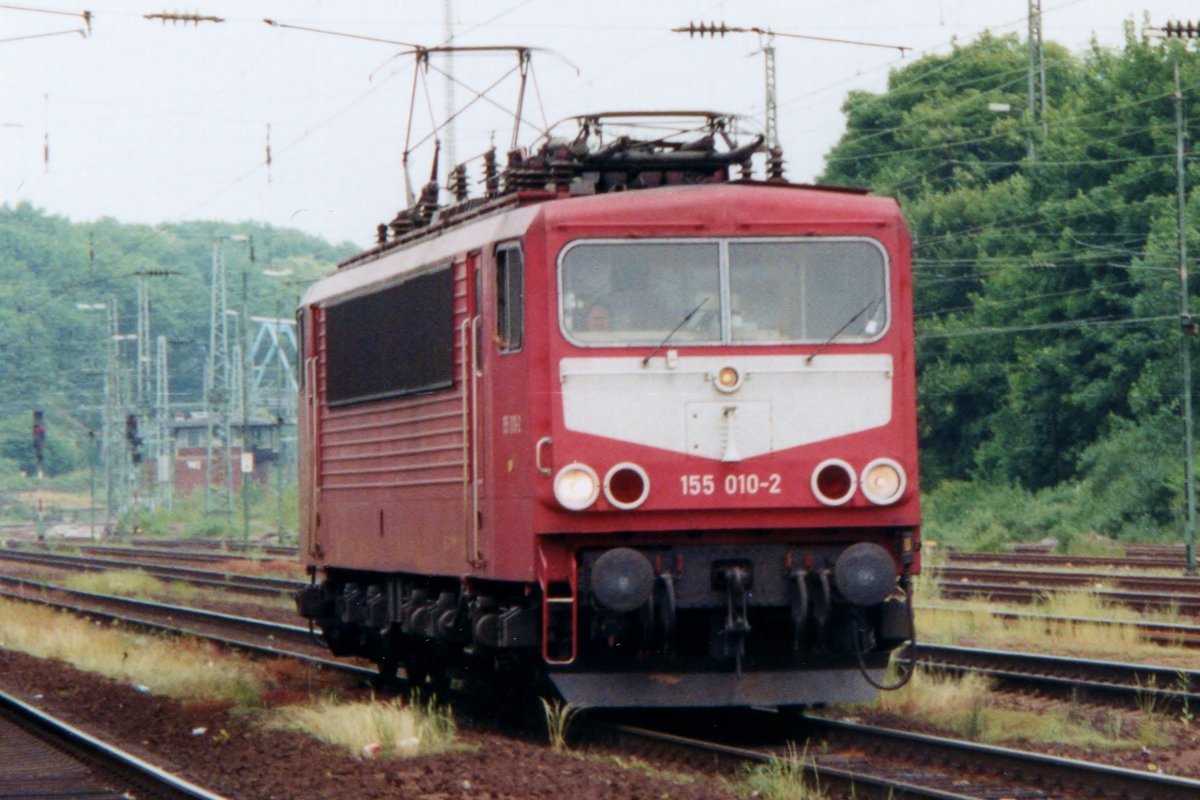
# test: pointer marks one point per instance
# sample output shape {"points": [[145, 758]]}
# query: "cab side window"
{"points": [[510, 298]]}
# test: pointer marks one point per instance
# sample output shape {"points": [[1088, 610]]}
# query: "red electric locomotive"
{"points": [[628, 421]]}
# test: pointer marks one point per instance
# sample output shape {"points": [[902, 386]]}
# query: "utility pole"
{"points": [[117, 460], [772, 111], [164, 450], [449, 106], [1037, 73], [218, 387], [1187, 326], [247, 459], [767, 37]]}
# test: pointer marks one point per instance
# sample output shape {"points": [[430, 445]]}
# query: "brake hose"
{"points": [[906, 582]]}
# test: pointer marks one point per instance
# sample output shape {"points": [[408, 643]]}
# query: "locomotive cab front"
{"points": [[729, 513]]}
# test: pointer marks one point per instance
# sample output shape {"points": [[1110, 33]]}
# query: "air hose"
{"points": [[906, 583]]}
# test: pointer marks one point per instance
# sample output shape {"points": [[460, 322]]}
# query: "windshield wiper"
{"points": [[868, 307], [674, 330]]}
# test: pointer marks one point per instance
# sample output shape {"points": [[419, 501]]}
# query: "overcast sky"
{"points": [[150, 122]]}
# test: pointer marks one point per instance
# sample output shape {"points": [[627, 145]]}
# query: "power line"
{"points": [[1048, 326], [767, 40]]}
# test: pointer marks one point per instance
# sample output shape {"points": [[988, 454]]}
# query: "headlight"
{"points": [[833, 482], [728, 379], [576, 486], [883, 481]]}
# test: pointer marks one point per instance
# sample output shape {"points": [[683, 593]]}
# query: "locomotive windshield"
{"points": [[741, 290]]}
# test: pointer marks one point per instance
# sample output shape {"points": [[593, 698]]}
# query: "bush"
{"points": [[1133, 479], [979, 516]]}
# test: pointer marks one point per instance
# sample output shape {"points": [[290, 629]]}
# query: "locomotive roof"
{"points": [[749, 208], [614, 174]]}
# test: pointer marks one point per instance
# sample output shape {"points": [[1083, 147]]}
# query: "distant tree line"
{"points": [[54, 352], [1046, 282]]}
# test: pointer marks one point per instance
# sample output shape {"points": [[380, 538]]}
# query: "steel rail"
{"points": [[1118, 678], [1159, 632], [225, 641], [254, 584], [1028, 593], [129, 769], [1107, 580], [1035, 769], [170, 553], [1121, 562], [257, 626], [862, 784]]}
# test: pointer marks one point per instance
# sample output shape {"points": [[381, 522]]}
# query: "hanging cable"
{"points": [[906, 584]]}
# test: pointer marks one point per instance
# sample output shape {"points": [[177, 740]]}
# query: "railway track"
{"points": [[850, 760], [1047, 672], [836, 765], [1145, 602], [1139, 560], [1152, 593], [42, 756], [1158, 632], [172, 554], [1164, 633], [968, 769], [1101, 580], [958, 584], [1119, 681], [243, 632], [251, 584]]}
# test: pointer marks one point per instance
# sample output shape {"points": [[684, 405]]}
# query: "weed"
{"points": [[129, 583], [967, 707], [1184, 683], [1146, 696], [371, 728], [558, 719], [785, 778]]}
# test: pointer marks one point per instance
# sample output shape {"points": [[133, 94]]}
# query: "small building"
{"points": [[267, 440]]}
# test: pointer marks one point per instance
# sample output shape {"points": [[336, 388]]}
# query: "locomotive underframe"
{"points": [[721, 622]]}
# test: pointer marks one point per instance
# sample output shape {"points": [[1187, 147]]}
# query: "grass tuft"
{"points": [[968, 707], [784, 778], [128, 583], [372, 728], [558, 719]]}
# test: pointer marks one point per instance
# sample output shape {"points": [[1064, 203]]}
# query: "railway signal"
{"points": [[135, 441], [39, 438]]}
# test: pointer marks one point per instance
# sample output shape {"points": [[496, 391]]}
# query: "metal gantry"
{"points": [[272, 356]]}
